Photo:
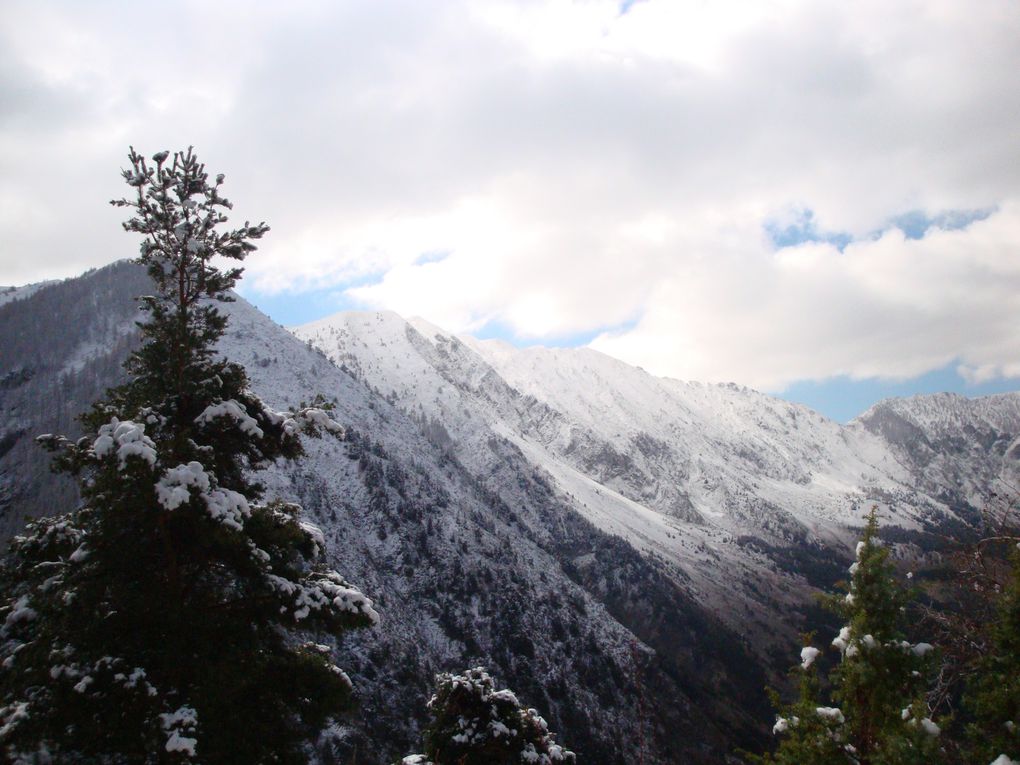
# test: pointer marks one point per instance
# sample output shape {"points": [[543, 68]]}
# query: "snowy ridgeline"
{"points": [[708, 478]]}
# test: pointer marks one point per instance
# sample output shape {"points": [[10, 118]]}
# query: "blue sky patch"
{"points": [[804, 229], [915, 224], [290, 309]]}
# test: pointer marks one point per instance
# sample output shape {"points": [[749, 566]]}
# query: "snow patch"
{"points": [[232, 410], [808, 654], [129, 440]]}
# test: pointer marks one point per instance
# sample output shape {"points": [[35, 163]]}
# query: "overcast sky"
{"points": [[780, 194]]}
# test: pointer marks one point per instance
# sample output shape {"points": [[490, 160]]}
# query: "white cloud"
{"points": [[583, 168], [892, 308]]}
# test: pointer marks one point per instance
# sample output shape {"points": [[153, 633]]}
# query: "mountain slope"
{"points": [[465, 569], [746, 500], [513, 576], [956, 449], [61, 345]]}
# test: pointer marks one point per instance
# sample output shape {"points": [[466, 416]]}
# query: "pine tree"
{"points": [[474, 724], [160, 621], [994, 693], [877, 714]]}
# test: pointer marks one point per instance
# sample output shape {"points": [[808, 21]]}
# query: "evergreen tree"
{"points": [[878, 715], [474, 724], [160, 621], [994, 692]]}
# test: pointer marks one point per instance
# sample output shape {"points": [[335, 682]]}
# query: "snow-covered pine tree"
{"points": [[160, 621], [474, 724], [877, 714], [994, 692]]}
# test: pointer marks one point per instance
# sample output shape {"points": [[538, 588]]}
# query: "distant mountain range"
{"points": [[633, 555]]}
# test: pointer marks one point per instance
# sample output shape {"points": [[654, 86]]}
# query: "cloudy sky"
{"points": [[817, 199]]}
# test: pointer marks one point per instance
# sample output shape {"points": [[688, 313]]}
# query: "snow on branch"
{"points": [[128, 439], [324, 593], [232, 410], [224, 505]]}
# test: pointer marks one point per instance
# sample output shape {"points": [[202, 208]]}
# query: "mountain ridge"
{"points": [[702, 477]]}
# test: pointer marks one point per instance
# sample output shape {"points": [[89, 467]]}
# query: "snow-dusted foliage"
{"points": [[475, 724], [877, 712], [994, 689], [156, 622]]}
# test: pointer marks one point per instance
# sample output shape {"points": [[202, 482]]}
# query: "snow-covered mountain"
{"points": [[465, 570], [633, 555], [726, 487]]}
